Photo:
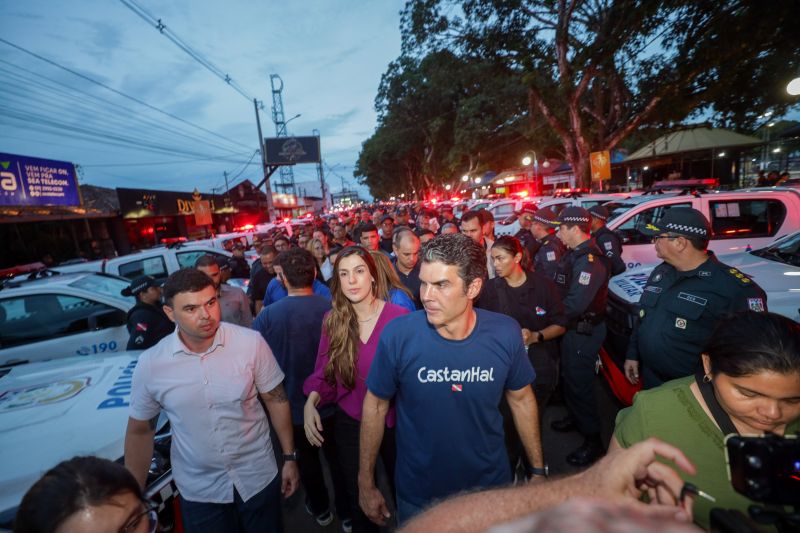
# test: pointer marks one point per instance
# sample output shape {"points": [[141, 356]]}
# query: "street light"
{"points": [[465, 178], [478, 179], [526, 161], [447, 187], [793, 87], [283, 129]]}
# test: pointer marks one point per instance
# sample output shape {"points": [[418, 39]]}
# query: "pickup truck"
{"points": [[157, 262]]}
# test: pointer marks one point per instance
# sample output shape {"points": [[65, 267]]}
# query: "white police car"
{"points": [[62, 315], [510, 225], [775, 268], [741, 220], [52, 411], [156, 262]]}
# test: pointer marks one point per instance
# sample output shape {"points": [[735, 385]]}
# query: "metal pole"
{"points": [[267, 188]]}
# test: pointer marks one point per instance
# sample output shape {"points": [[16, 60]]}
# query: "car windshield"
{"points": [[105, 285], [785, 250], [615, 209]]}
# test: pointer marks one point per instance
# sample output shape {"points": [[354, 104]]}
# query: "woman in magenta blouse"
{"points": [[349, 339]]}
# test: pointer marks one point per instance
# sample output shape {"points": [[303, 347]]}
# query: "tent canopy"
{"points": [[692, 140]]}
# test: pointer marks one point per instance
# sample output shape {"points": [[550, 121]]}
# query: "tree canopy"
{"points": [[479, 81]]}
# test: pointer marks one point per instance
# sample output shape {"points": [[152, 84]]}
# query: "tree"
{"points": [[597, 70], [441, 116]]}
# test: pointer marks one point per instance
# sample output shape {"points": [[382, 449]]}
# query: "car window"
{"points": [[736, 219], [558, 207], [629, 229], [503, 210], [615, 209], [785, 250], [151, 266], [188, 259], [106, 285], [40, 317]]}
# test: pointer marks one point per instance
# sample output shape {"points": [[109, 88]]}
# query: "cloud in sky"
{"points": [[330, 56]]}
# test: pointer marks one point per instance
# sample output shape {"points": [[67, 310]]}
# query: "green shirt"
{"points": [[672, 414]]}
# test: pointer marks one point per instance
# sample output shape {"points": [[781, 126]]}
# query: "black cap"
{"points": [[598, 211], [547, 217], [139, 284], [680, 221], [387, 217], [575, 215]]}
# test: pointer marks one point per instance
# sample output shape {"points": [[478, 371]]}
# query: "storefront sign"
{"points": [[601, 165], [28, 181], [202, 213]]}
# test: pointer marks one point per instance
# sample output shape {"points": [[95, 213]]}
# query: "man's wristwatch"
{"points": [[540, 337], [290, 456], [544, 471]]}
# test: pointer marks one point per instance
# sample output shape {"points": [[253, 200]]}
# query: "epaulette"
{"points": [[738, 276]]}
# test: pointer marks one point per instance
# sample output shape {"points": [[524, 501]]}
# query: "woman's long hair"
{"points": [[387, 277], [341, 325], [310, 248]]}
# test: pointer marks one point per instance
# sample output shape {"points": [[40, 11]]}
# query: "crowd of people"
{"points": [[407, 341]]}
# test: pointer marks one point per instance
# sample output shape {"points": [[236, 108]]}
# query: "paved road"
{"points": [[556, 446]]}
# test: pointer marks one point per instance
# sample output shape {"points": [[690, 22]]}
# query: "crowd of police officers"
{"points": [[681, 302]]}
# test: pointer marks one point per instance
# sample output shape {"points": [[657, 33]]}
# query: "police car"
{"points": [[61, 315], [52, 411], [510, 226], [156, 262], [776, 268], [741, 220]]}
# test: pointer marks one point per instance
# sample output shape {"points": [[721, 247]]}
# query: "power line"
{"points": [[115, 91], [169, 34], [53, 91]]}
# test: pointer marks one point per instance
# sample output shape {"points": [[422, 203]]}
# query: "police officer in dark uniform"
{"points": [[147, 324], [608, 241], [524, 235], [550, 248], [238, 263], [582, 277], [684, 298]]}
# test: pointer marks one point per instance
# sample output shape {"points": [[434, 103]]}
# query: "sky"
{"points": [[330, 56]]}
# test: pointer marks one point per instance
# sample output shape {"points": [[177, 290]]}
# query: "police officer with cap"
{"points": [[147, 324], [550, 248], [608, 241], [684, 298], [582, 277], [524, 234]]}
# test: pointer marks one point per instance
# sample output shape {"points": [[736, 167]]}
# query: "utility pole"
{"points": [[267, 173], [287, 174], [320, 173]]}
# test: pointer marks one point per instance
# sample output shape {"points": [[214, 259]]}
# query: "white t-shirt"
{"points": [[220, 433]]}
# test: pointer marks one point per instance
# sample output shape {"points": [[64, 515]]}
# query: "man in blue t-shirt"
{"points": [[447, 369], [292, 328], [276, 291]]}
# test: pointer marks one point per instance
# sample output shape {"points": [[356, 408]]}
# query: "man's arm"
{"points": [[139, 447], [526, 419], [247, 315], [373, 420], [277, 403], [622, 475]]}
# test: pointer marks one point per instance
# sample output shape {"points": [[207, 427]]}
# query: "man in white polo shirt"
{"points": [[206, 377]]}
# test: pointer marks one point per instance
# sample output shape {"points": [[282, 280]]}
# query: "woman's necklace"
{"points": [[371, 316]]}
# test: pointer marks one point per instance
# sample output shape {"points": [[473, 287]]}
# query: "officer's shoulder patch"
{"points": [[736, 275]]}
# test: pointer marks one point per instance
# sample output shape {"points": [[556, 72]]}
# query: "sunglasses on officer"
{"points": [[670, 237]]}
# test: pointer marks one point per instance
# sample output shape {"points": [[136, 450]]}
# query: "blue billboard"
{"points": [[28, 181]]}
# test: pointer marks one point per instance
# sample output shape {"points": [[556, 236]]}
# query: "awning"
{"points": [[693, 140]]}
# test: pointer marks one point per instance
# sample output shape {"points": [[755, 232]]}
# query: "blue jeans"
{"points": [[261, 513]]}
